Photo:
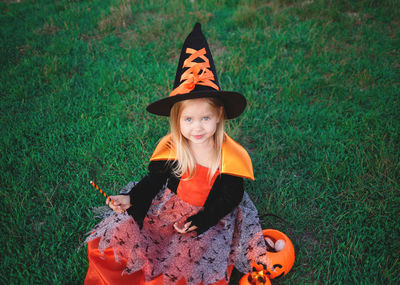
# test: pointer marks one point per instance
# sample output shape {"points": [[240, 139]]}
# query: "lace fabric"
{"points": [[158, 249]]}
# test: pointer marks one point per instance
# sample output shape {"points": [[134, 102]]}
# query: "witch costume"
{"points": [[141, 246]]}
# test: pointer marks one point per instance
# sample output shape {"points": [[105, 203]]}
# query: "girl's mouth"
{"points": [[198, 137]]}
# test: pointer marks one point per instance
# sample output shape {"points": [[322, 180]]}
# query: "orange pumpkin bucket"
{"points": [[281, 261]]}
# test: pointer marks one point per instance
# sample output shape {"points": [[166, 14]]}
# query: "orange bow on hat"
{"points": [[198, 73]]}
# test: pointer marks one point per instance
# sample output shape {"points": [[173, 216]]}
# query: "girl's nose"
{"points": [[198, 125]]}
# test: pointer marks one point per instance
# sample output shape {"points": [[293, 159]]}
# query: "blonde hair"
{"points": [[185, 160]]}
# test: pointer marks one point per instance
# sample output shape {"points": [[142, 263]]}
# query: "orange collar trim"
{"points": [[234, 158]]}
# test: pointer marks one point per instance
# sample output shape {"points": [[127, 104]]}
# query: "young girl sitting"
{"points": [[188, 221]]}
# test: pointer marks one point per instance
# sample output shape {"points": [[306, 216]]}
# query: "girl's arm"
{"points": [[144, 192], [225, 195]]}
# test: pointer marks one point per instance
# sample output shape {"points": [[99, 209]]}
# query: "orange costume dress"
{"points": [[127, 249]]}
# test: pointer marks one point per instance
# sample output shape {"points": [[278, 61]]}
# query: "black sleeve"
{"points": [[143, 193], [225, 195]]}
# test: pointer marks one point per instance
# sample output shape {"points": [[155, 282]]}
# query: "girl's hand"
{"points": [[121, 203], [186, 228]]}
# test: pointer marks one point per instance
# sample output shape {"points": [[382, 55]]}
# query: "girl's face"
{"points": [[198, 121]]}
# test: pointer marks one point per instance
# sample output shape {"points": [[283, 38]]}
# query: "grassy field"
{"points": [[322, 123]]}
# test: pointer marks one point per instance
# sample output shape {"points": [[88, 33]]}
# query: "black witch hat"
{"points": [[196, 77]]}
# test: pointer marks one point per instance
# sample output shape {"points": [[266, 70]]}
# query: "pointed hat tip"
{"points": [[197, 26]]}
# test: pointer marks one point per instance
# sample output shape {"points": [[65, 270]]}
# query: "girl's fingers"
{"points": [[178, 229], [192, 228], [118, 204], [185, 229], [111, 203], [116, 209]]}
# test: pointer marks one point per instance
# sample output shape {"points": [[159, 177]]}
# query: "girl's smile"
{"points": [[198, 137]]}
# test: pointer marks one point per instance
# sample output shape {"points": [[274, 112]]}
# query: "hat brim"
{"points": [[234, 103]]}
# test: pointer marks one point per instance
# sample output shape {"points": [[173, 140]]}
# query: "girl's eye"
{"points": [[188, 120], [206, 118]]}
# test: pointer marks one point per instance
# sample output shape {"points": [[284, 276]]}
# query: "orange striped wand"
{"points": [[102, 192]]}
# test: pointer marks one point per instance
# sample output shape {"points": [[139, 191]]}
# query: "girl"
{"points": [[188, 221]]}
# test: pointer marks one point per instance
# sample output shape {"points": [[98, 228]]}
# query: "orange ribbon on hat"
{"points": [[197, 73]]}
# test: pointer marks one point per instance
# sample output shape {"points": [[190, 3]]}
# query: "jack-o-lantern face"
{"points": [[281, 261], [255, 278]]}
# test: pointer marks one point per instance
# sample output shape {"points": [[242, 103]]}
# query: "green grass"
{"points": [[322, 124]]}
